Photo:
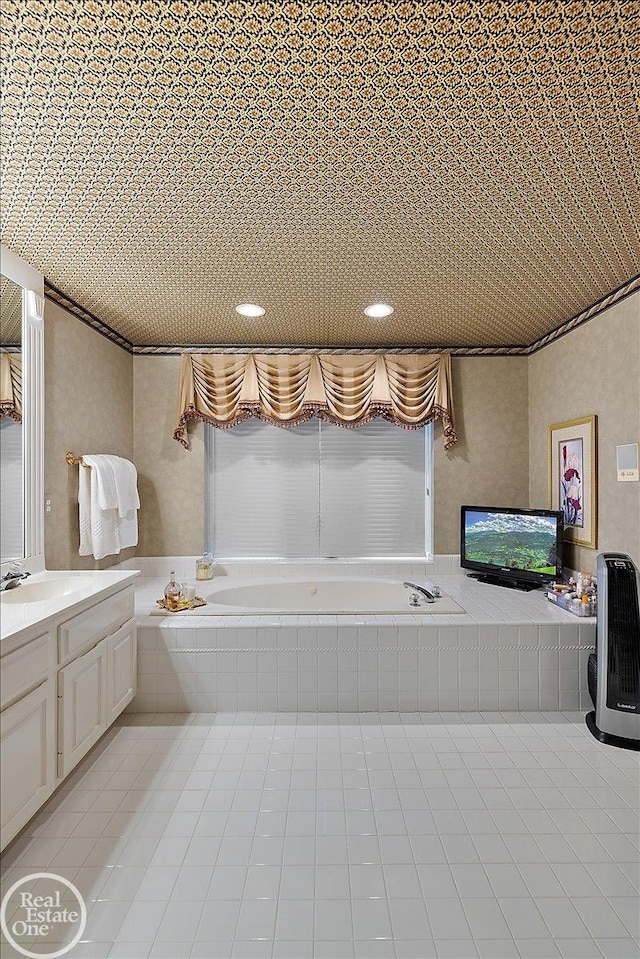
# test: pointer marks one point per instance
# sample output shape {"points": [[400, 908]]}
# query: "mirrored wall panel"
{"points": [[11, 474]]}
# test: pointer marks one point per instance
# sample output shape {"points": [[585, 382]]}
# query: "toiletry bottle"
{"points": [[173, 593]]}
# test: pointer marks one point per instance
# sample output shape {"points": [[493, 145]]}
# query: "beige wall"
{"points": [[170, 479], [489, 464], [88, 404], [595, 369]]}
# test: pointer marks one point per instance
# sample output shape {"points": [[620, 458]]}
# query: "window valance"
{"points": [[286, 389], [11, 386]]}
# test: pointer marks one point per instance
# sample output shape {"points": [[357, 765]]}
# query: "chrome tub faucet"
{"points": [[430, 597]]}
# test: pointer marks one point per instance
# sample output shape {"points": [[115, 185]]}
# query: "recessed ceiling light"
{"points": [[379, 310], [249, 309]]}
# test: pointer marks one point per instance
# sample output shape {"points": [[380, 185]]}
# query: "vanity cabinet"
{"points": [[96, 685], [61, 687], [28, 749]]}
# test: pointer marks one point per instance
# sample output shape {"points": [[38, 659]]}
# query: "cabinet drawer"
{"points": [[24, 669], [84, 630]]}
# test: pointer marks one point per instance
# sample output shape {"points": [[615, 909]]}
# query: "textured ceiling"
{"points": [[474, 164], [10, 312]]}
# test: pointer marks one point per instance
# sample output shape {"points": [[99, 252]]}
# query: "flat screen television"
{"points": [[520, 548]]}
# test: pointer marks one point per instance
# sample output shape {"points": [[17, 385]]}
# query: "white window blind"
{"points": [[263, 490], [372, 491], [318, 491]]}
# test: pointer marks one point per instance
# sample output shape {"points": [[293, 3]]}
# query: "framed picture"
{"points": [[573, 478]]}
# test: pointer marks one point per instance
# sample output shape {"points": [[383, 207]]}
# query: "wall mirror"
{"points": [[21, 409], [11, 497]]}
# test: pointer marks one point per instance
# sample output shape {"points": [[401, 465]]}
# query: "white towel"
{"points": [[99, 528], [104, 493], [103, 476], [126, 489], [126, 477]]}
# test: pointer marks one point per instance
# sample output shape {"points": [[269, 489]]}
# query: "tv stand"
{"points": [[507, 581]]}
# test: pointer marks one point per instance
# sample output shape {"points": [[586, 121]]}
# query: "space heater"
{"points": [[614, 669]]}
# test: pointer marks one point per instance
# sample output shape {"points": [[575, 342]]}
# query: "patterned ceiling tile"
{"points": [[10, 312], [474, 164]]}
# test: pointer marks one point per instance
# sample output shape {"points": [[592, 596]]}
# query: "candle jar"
{"points": [[204, 567]]}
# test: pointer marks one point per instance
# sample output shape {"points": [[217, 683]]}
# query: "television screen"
{"points": [[521, 543]]}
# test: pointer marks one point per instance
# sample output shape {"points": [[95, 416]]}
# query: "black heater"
{"points": [[614, 670]]}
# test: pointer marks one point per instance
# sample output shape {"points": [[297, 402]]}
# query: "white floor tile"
{"points": [[485, 919], [409, 919], [536, 948], [257, 919], [618, 948], [523, 918], [415, 949], [471, 880], [333, 920], [561, 918], [141, 922], [347, 835], [456, 948], [577, 948], [447, 919], [295, 919]]}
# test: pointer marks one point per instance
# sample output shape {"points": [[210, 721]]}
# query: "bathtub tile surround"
{"points": [[340, 835], [508, 651]]}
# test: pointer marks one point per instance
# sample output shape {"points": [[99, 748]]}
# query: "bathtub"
{"points": [[509, 650], [323, 595]]}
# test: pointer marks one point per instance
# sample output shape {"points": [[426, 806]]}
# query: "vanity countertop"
{"points": [[18, 617]]}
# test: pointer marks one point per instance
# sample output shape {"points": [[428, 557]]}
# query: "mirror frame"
{"points": [[32, 283]]}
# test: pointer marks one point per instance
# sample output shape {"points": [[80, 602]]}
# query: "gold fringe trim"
{"points": [[377, 411]]}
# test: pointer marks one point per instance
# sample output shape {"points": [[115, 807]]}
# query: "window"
{"points": [[317, 490]]}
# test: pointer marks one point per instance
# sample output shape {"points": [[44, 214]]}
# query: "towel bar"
{"points": [[74, 460]]}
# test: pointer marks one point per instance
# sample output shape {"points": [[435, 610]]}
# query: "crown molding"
{"points": [[57, 296], [595, 309]]}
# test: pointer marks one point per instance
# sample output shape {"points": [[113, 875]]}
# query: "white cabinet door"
{"points": [[82, 706], [121, 670], [28, 748]]}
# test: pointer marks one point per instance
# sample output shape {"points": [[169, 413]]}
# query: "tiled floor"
{"points": [[371, 835]]}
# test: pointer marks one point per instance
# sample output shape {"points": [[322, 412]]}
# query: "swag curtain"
{"points": [[345, 389], [11, 386]]}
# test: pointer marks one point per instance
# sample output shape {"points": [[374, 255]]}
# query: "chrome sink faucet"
{"points": [[13, 578], [429, 596]]}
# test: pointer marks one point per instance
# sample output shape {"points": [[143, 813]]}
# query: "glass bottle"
{"points": [[172, 593], [204, 567]]}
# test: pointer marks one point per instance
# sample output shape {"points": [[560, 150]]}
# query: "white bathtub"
{"points": [[319, 595]]}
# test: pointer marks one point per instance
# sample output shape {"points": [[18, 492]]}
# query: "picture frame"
{"points": [[573, 478]]}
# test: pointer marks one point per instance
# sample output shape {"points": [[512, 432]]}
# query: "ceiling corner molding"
{"points": [[607, 301], [595, 309], [61, 299], [275, 349]]}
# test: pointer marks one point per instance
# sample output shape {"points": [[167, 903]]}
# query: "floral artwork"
{"points": [[573, 478], [570, 463]]}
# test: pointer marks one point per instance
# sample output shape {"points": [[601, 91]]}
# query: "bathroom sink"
{"points": [[46, 589]]}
